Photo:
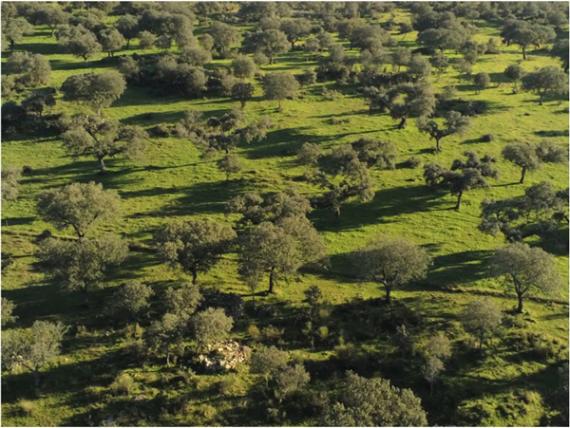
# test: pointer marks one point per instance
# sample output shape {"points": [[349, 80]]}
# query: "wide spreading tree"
{"points": [[464, 175], [529, 157], [280, 86], [79, 206], [530, 271], [33, 348], [403, 101], [373, 402], [95, 136], [393, 263], [97, 90], [81, 265], [194, 245], [482, 318], [455, 123], [278, 251]]}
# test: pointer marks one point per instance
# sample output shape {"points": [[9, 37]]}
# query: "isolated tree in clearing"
{"points": [[393, 263], [529, 270], [79, 206]]}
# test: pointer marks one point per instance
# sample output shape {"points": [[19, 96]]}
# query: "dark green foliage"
{"points": [[256, 208], [482, 81], [482, 318], [463, 175], [524, 34], [211, 327], [278, 250], [81, 265], [373, 402], [560, 49], [79, 206], [111, 40], [404, 101], [131, 300], [393, 263], [270, 42], [547, 81], [243, 66], [280, 86], [101, 138], [455, 123], [14, 29], [183, 300], [78, 41], [514, 73], [8, 316], [96, 90], [32, 70], [224, 36], [541, 211], [523, 155], [194, 245], [295, 29], [10, 183], [528, 270], [128, 26], [34, 348], [242, 92]]}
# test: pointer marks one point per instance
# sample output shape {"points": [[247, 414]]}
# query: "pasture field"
{"points": [[173, 181]]}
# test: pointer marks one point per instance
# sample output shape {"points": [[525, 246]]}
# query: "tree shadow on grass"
{"points": [[42, 48], [552, 133], [387, 203], [69, 379], [45, 301], [281, 142], [459, 268], [200, 198]]}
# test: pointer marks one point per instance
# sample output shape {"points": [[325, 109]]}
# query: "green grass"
{"points": [[174, 182]]}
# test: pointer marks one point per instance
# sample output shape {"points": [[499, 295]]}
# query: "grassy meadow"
{"points": [[173, 181]]}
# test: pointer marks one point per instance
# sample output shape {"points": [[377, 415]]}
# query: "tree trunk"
{"points": [[524, 52], [402, 123], [78, 232], [271, 280], [458, 205], [437, 146], [520, 303], [388, 294], [36, 375], [523, 173], [128, 43], [102, 166], [194, 276], [242, 102]]}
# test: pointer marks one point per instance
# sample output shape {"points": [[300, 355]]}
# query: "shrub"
{"points": [[26, 407], [123, 384], [412, 162], [487, 138], [272, 333], [254, 332], [161, 130], [232, 386], [338, 121]]}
